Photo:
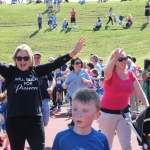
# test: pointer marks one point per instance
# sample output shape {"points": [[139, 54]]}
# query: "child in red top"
{"points": [[73, 17]]}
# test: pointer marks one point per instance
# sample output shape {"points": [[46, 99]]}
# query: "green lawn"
{"points": [[19, 25]]}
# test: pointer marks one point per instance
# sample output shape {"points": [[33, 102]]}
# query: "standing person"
{"points": [[146, 78], [147, 12], [58, 4], [77, 78], [45, 89], [82, 136], [73, 17], [110, 15], [119, 83], [94, 59], [50, 20], [24, 116], [39, 16], [59, 81], [3, 111]]}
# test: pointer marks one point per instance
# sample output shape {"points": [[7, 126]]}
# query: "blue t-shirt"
{"points": [[58, 75], [69, 140], [100, 92]]}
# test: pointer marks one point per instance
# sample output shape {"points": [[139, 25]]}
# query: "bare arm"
{"points": [[145, 78], [110, 66], [51, 88], [140, 94]]}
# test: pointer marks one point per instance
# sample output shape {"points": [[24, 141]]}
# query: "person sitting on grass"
{"points": [[129, 21], [98, 24], [55, 25], [65, 24], [85, 109], [81, 2]]}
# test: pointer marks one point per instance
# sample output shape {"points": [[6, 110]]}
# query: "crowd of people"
{"points": [[31, 85]]}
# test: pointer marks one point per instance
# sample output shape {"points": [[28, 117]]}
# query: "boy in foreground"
{"points": [[81, 136]]}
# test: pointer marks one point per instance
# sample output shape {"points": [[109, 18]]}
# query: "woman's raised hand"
{"points": [[117, 52], [79, 45]]}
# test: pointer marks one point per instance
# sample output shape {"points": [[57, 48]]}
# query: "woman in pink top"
{"points": [[118, 85]]}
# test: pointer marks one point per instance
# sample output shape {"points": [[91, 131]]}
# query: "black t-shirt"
{"points": [[24, 97], [43, 81]]}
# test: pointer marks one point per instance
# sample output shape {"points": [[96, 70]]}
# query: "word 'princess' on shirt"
{"points": [[117, 91], [69, 140], [24, 96]]}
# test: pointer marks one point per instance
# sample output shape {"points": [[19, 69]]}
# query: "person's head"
{"points": [[91, 57], [129, 62], [147, 3], [121, 62], [146, 63], [85, 107], [72, 9], [51, 59], [134, 59], [129, 16], [23, 57], [95, 72], [76, 64], [90, 65], [58, 70], [98, 18], [65, 20], [110, 9], [129, 57], [94, 58], [84, 66], [37, 58], [3, 97], [100, 60], [101, 82]]}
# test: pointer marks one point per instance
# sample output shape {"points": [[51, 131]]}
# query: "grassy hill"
{"points": [[19, 25]]}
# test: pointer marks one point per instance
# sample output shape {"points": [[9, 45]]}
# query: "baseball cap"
{"points": [[37, 53]]}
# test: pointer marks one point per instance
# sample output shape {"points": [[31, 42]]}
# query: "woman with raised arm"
{"points": [[118, 85], [24, 117]]}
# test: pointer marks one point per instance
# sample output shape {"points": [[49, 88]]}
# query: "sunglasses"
{"points": [[120, 59], [100, 60], [25, 58], [77, 63]]}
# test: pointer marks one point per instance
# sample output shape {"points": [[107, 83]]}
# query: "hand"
{"points": [[117, 53], [79, 45], [50, 90], [85, 81]]}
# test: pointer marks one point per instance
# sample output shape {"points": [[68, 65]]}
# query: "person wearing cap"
{"points": [[45, 90], [94, 59], [65, 24]]}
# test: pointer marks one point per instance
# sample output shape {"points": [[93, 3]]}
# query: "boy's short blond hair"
{"points": [[86, 95]]}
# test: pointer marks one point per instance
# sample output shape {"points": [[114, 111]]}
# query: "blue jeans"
{"points": [[45, 111]]}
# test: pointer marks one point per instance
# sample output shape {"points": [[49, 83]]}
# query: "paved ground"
{"points": [[59, 122]]}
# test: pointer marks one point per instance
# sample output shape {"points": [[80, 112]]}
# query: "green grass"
{"points": [[19, 25]]}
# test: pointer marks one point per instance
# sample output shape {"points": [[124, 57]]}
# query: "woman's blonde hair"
{"points": [[129, 16], [85, 64], [24, 47], [129, 62], [3, 96]]}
